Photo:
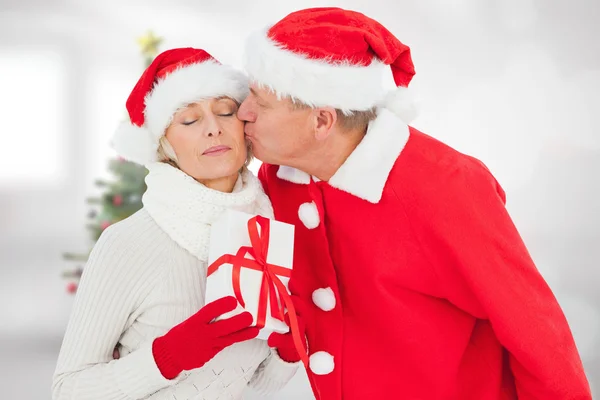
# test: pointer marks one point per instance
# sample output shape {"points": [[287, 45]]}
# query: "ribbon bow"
{"points": [[272, 290]]}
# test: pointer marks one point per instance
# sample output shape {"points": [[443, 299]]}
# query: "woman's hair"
{"points": [[166, 153]]}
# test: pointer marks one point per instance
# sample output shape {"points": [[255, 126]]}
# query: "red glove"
{"points": [[284, 342], [197, 340]]}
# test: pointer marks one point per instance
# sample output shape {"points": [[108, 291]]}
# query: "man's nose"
{"points": [[245, 111]]}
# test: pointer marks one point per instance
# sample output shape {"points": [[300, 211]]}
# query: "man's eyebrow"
{"points": [[254, 93]]}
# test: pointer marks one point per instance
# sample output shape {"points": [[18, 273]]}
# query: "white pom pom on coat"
{"points": [[324, 299], [309, 215], [321, 363]]}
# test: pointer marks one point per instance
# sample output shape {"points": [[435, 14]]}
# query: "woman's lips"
{"points": [[216, 150]]}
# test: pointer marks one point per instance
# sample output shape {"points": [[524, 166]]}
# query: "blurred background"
{"points": [[515, 83]]}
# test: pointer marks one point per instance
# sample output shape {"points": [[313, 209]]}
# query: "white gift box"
{"points": [[228, 234]]}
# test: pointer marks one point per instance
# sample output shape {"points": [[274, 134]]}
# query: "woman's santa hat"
{"points": [[332, 57], [175, 78]]}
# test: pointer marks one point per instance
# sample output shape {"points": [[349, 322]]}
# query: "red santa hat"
{"points": [[173, 80], [332, 57]]}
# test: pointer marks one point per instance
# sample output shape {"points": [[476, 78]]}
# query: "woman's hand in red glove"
{"points": [[197, 340]]}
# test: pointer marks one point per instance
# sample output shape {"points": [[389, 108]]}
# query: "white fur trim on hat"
{"points": [[314, 82], [321, 363], [135, 143], [309, 215], [324, 299], [187, 85]]}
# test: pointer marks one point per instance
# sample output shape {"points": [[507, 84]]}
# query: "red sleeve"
{"points": [[262, 176], [477, 252]]}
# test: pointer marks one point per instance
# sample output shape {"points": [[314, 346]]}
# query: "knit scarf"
{"points": [[185, 208]]}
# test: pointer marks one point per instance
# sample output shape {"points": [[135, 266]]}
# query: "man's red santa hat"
{"points": [[332, 57], [174, 79]]}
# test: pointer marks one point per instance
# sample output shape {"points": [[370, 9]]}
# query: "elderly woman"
{"points": [[143, 288]]}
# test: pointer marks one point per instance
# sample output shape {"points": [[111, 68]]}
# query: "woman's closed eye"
{"points": [[188, 122], [224, 110]]}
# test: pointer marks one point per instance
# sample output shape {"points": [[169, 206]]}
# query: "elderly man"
{"points": [[409, 274]]}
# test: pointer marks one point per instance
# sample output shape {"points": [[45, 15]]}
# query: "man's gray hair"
{"points": [[348, 120]]}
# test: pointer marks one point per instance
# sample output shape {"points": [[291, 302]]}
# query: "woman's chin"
{"points": [[216, 170]]}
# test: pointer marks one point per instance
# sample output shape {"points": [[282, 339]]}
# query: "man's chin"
{"points": [[259, 157], [255, 149]]}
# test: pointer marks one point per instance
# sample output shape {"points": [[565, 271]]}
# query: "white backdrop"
{"points": [[514, 83]]}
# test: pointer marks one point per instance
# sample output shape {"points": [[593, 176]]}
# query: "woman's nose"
{"points": [[213, 128]]}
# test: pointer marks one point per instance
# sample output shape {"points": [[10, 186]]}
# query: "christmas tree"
{"points": [[121, 196]]}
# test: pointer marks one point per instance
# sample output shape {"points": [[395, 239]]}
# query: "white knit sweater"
{"points": [[145, 275]]}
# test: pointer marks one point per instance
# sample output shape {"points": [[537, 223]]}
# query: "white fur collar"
{"points": [[366, 170], [185, 209], [293, 175]]}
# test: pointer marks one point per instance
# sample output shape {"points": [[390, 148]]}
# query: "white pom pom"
{"points": [[402, 103], [321, 363], [324, 299], [135, 143], [309, 215]]}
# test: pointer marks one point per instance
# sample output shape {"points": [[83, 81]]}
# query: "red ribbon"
{"points": [[272, 290]]}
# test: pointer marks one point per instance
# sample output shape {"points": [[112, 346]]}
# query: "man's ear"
{"points": [[324, 119]]}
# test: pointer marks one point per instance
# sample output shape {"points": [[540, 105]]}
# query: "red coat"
{"points": [[433, 293]]}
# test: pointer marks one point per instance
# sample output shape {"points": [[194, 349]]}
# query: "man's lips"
{"points": [[215, 150]]}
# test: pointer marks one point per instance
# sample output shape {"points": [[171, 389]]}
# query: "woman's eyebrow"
{"points": [[225, 98], [190, 105]]}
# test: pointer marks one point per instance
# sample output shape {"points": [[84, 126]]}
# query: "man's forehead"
{"points": [[262, 92], [267, 94], [254, 90]]}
